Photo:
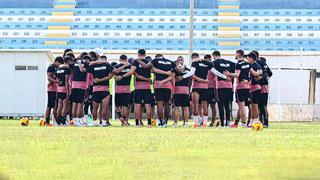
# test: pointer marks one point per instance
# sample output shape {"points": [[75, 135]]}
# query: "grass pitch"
{"points": [[284, 151]]}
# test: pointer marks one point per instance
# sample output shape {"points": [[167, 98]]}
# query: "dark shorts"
{"points": [[181, 100], [162, 94], [123, 99], [212, 95], [263, 99], [62, 96], [242, 95], [99, 96], [77, 95], [203, 93], [255, 96], [225, 95], [52, 99], [143, 96]]}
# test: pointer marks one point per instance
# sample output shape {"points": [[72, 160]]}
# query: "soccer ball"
{"points": [[257, 126], [153, 122], [41, 122], [24, 122]]}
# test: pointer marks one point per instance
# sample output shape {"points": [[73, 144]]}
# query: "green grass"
{"points": [[284, 151]]}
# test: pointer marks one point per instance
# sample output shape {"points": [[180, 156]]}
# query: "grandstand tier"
{"points": [[281, 25]]}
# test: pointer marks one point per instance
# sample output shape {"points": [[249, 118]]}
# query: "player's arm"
{"points": [[144, 65], [159, 71], [107, 78], [97, 62], [196, 78], [116, 71], [50, 78], [216, 72], [255, 73], [141, 77], [132, 70], [233, 75], [187, 75], [168, 78]]}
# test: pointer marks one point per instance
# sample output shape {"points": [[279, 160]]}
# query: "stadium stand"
{"points": [[161, 25]]}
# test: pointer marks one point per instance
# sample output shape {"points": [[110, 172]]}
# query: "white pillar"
{"points": [[191, 30]]}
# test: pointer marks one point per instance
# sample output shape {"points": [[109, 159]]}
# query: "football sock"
{"points": [[47, 120], [161, 123], [58, 120], [195, 119], [76, 121], [205, 119], [149, 121], [137, 122], [67, 118], [64, 120]]}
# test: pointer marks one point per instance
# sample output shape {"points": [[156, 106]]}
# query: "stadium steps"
{"points": [[229, 22], [68, 7]]}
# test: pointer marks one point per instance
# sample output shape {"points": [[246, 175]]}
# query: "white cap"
{"points": [[98, 51]]}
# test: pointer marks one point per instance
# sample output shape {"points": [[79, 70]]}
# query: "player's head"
{"points": [[66, 51], [82, 55], [123, 58], [70, 54], [180, 61], [264, 60], [68, 60], [103, 58], [256, 53], [148, 58], [239, 54], [86, 59], [131, 60], [114, 64], [58, 60], [93, 56], [195, 56], [207, 57], [216, 55], [251, 57], [158, 56], [141, 53]]}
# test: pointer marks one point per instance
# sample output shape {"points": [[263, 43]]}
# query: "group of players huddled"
{"points": [[77, 84]]}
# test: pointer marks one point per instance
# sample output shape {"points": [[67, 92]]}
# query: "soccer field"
{"points": [[284, 151]]}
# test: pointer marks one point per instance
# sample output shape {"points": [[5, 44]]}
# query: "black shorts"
{"points": [[62, 96], [162, 94], [263, 99], [52, 99], [203, 93], [123, 99], [211, 95], [77, 95], [255, 96], [143, 96], [99, 96], [242, 95], [225, 95], [181, 100]]}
